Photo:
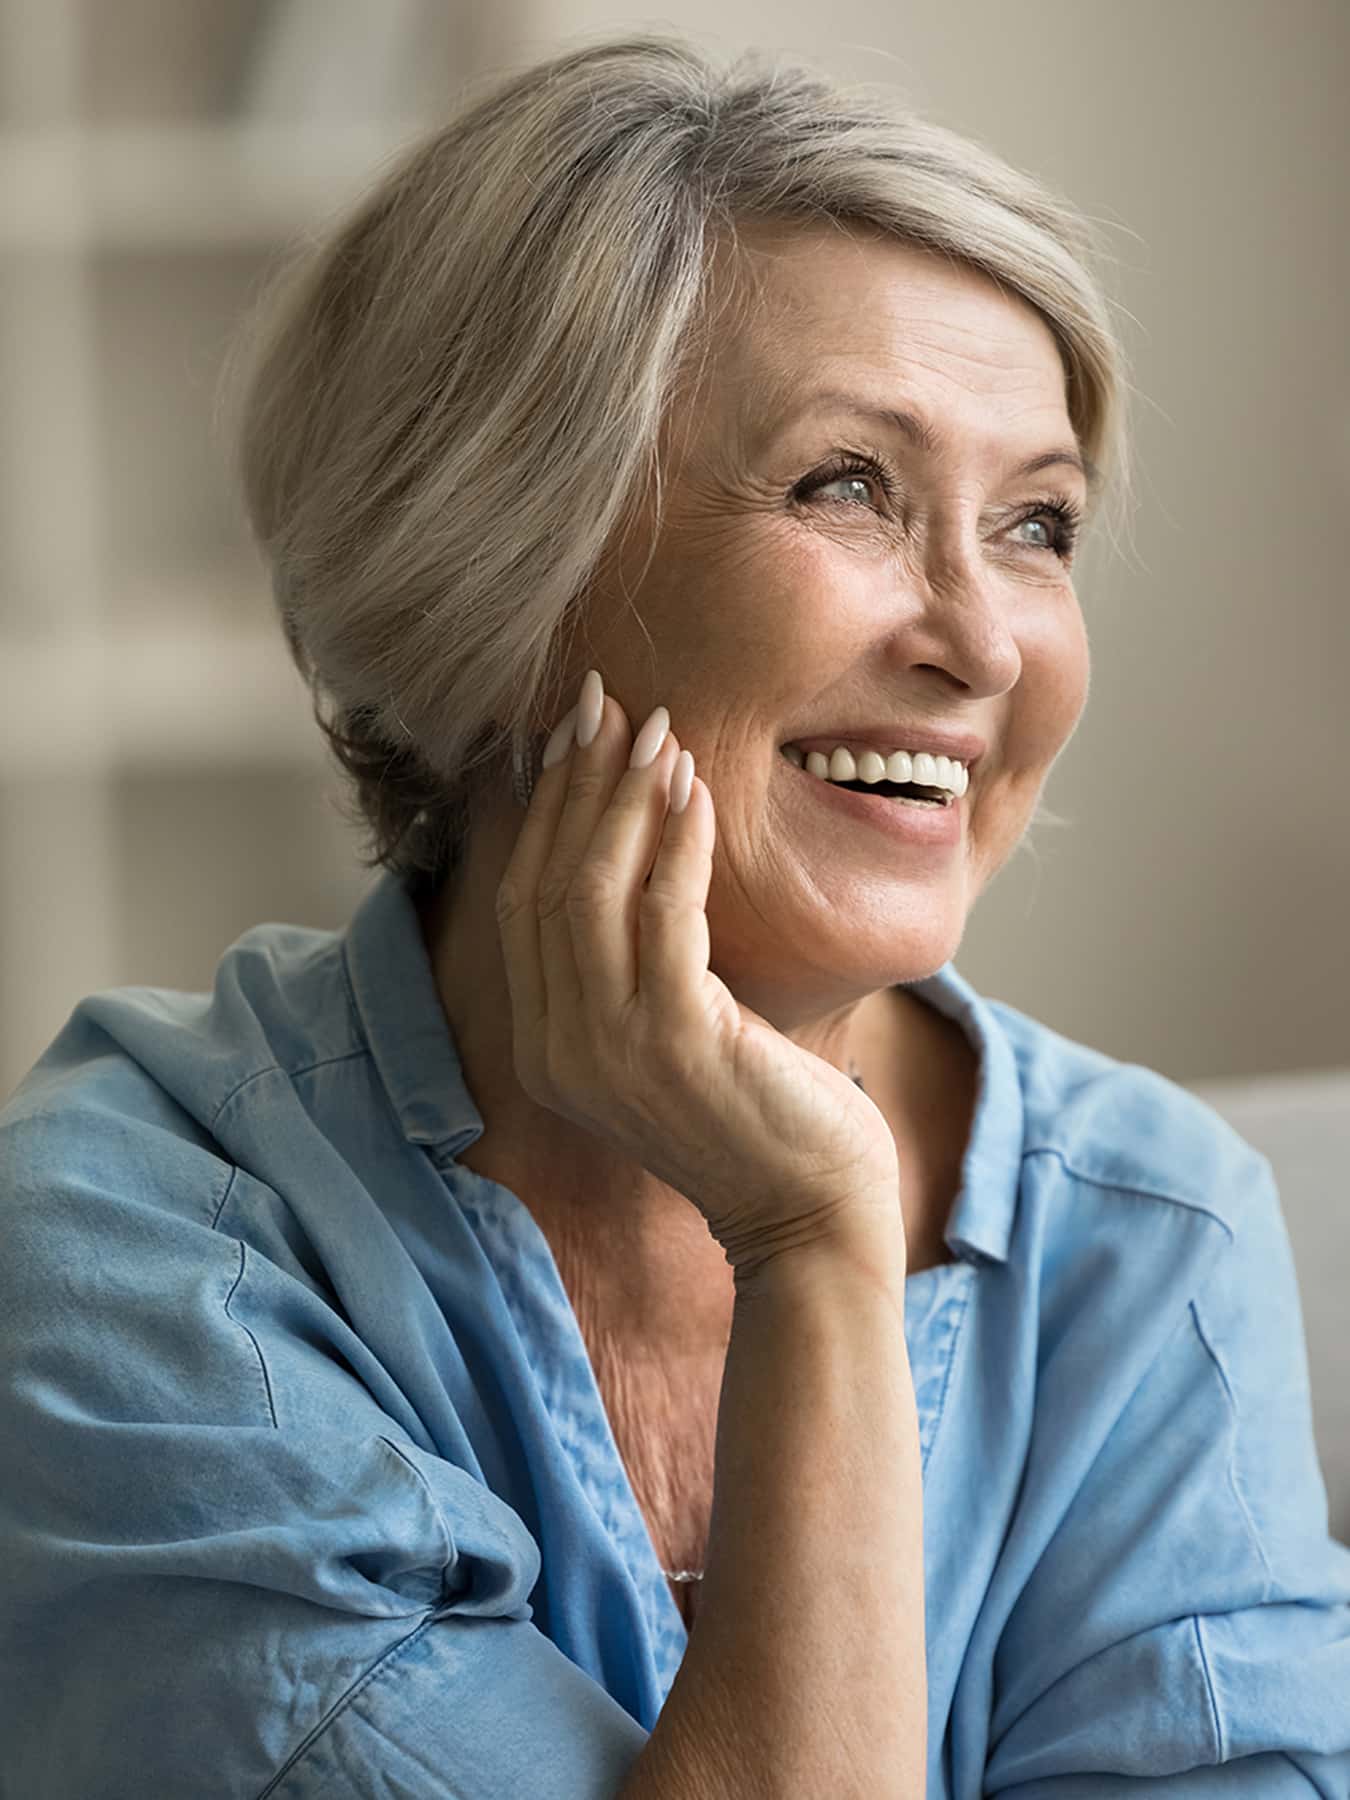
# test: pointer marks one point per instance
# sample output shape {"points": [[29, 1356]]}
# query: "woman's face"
{"points": [[770, 613]]}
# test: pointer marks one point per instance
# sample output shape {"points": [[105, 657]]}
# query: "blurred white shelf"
{"points": [[128, 649], [170, 696], [206, 185]]}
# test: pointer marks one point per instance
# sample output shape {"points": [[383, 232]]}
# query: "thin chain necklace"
{"points": [[697, 1574]]}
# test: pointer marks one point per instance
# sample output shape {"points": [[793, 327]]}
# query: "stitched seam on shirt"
{"points": [[225, 1197], [1220, 1742], [238, 1088], [322, 1062], [1116, 1187], [953, 1349], [340, 1706], [1232, 1460], [355, 1019], [267, 1384]]}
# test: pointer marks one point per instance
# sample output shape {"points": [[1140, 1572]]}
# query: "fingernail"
{"points": [[590, 707], [682, 781], [561, 741], [650, 739]]}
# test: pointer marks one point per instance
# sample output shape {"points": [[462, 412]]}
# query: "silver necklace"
{"points": [[697, 1574]]}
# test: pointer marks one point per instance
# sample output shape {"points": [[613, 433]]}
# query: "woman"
{"points": [[376, 1325]]}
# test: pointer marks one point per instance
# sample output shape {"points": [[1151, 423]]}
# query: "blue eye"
{"points": [[1067, 518], [1065, 514], [844, 468]]}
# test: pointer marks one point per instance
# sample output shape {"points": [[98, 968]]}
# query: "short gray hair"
{"points": [[450, 406]]}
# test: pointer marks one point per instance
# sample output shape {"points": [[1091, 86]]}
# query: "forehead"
{"points": [[814, 305]]}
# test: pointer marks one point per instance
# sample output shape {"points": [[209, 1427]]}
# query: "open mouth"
{"points": [[910, 793], [897, 790]]}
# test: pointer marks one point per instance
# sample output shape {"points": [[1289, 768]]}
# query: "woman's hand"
{"points": [[619, 1026]]}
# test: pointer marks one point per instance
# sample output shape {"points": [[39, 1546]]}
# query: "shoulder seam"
{"points": [[1116, 1187], [275, 1068]]}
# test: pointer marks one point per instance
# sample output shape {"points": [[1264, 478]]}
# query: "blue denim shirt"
{"points": [[308, 1490]]}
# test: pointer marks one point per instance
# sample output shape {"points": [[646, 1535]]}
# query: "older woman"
{"points": [[394, 1335]]}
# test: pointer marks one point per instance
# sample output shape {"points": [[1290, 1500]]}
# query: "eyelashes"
{"points": [[1065, 512]]}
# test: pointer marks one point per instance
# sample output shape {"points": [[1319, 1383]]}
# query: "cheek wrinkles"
{"points": [[879, 542]]}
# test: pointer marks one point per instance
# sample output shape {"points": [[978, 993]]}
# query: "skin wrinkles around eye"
{"points": [[1064, 513]]}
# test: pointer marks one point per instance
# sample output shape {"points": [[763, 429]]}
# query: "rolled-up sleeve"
{"points": [[229, 1570], [1186, 1631]]}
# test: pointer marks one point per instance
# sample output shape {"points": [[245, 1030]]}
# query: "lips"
{"points": [[940, 828]]}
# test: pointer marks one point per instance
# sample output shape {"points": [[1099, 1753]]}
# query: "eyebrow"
{"points": [[922, 436]]}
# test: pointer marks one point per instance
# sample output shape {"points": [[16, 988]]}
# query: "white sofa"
{"points": [[1302, 1123]]}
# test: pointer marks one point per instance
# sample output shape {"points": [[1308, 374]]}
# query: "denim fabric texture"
{"points": [[308, 1489]]}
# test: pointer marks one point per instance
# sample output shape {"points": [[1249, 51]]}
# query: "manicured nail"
{"points": [[561, 741], [681, 781], [590, 707], [650, 739]]}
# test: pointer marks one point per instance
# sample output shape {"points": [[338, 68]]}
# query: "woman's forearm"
{"points": [[805, 1673]]}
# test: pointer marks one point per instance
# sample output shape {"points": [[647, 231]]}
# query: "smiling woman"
{"points": [[635, 1189], [629, 255]]}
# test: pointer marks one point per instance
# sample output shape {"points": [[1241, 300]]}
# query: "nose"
{"points": [[961, 618]]}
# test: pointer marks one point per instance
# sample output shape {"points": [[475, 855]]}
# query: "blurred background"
{"points": [[162, 784]]}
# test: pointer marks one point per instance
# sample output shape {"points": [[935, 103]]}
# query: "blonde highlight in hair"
{"points": [[449, 408]]}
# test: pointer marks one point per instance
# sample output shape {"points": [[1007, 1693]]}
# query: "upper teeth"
{"points": [[900, 766]]}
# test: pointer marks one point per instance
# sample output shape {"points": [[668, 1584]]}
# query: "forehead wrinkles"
{"points": [[934, 366], [871, 317], [973, 430], [812, 279]]}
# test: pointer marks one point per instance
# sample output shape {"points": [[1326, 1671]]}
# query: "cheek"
{"points": [[758, 638], [814, 612], [1056, 669], [1074, 671]]}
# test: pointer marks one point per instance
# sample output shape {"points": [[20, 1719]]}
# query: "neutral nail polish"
{"points": [[682, 781], [590, 707], [561, 741], [650, 739]]}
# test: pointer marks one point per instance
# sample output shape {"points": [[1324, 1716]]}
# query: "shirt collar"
{"points": [[981, 1222], [405, 1026], [400, 1013]]}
